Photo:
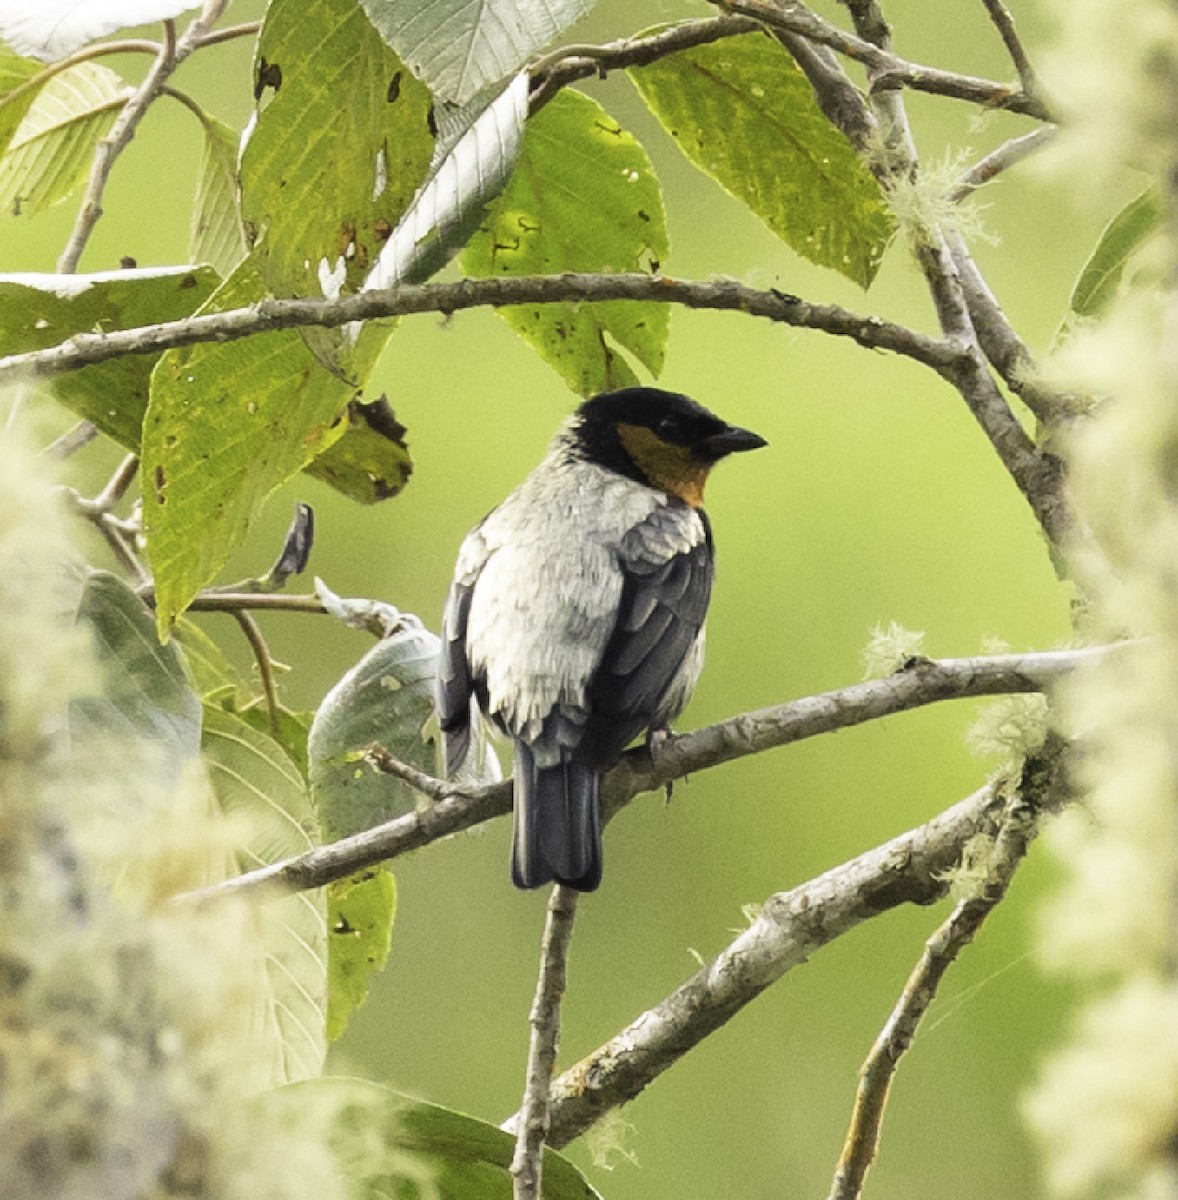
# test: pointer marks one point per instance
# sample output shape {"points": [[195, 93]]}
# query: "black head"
{"points": [[663, 439]]}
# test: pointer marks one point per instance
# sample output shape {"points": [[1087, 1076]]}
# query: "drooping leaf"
{"points": [[583, 197], [255, 780], [41, 310], [15, 93], [371, 461], [478, 147], [142, 696], [216, 235], [388, 1145], [289, 729], [209, 668], [743, 112], [458, 47], [49, 154], [51, 29], [226, 424], [338, 151], [1102, 274], [360, 914]]}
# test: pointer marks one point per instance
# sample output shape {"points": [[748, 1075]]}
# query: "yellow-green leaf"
{"points": [[216, 235]]}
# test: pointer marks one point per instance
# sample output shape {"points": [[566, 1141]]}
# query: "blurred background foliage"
{"points": [[878, 501]]}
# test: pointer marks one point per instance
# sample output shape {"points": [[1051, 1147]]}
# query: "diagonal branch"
{"points": [[268, 315], [1016, 828], [1004, 23], [171, 55], [789, 929], [457, 807]]}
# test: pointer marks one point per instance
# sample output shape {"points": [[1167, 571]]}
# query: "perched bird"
{"points": [[576, 615]]}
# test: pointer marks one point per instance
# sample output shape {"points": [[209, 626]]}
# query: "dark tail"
{"points": [[557, 824]]}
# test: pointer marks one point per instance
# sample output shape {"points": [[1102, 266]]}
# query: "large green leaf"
{"points": [[15, 95], [458, 47], [1122, 236], [337, 153], [50, 152], [744, 113], [390, 1145], [360, 914], [41, 310], [226, 424], [583, 197], [141, 696], [216, 235], [255, 780]]}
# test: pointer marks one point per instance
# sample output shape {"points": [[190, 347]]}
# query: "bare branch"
{"points": [[1016, 828], [1004, 23], [1007, 155], [544, 1018], [70, 442], [723, 295], [887, 70], [457, 807], [171, 55], [233, 602], [840, 100], [789, 929]]}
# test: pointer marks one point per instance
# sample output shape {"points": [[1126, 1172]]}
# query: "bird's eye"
{"points": [[667, 427]]}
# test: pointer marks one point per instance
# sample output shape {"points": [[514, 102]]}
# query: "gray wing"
{"points": [[454, 683], [667, 586]]}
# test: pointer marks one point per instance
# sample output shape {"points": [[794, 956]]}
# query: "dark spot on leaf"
{"points": [[189, 281], [127, 263], [394, 88], [269, 75], [616, 130], [655, 266], [17, 201], [342, 926], [643, 215], [381, 228], [526, 227], [432, 121], [160, 483]]}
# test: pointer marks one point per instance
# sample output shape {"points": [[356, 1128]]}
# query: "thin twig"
{"points": [[544, 1020], [262, 656], [869, 331], [1007, 155], [790, 927], [171, 55], [887, 69], [117, 485], [1004, 23], [70, 442], [230, 602], [389, 764], [940, 951], [457, 806]]}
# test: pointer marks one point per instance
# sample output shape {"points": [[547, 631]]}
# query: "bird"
{"points": [[575, 619]]}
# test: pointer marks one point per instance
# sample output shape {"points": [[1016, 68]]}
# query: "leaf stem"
{"points": [[261, 652]]}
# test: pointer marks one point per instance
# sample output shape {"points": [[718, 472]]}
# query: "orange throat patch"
{"points": [[670, 468]]}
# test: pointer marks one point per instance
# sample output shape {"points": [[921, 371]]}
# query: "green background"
{"points": [[878, 500]]}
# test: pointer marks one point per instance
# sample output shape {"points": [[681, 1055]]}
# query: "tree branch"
{"points": [[1004, 23], [1007, 155], [789, 929], [268, 315], [457, 807], [1017, 825], [171, 55], [544, 1019], [887, 70]]}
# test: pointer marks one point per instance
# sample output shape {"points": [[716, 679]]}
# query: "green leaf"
{"points": [[584, 197], [459, 48], [389, 1145], [477, 149], [338, 152], [15, 98], [216, 235], [41, 310], [142, 695], [50, 152], [360, 913], [226, 424], [743, 112], [256, 780], [371, 461], [1101, 277], [208, 666]]}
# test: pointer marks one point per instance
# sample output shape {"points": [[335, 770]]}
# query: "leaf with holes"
{"points": [[16, 91], [338, 151], [371, 461], [459, 48], [743, 112], [360, 914], [50, 152], [584, 197], [255, 780], [42, 310], [216, 235]]}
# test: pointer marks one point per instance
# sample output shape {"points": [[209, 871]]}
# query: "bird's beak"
{"points": [[729, 441]]}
